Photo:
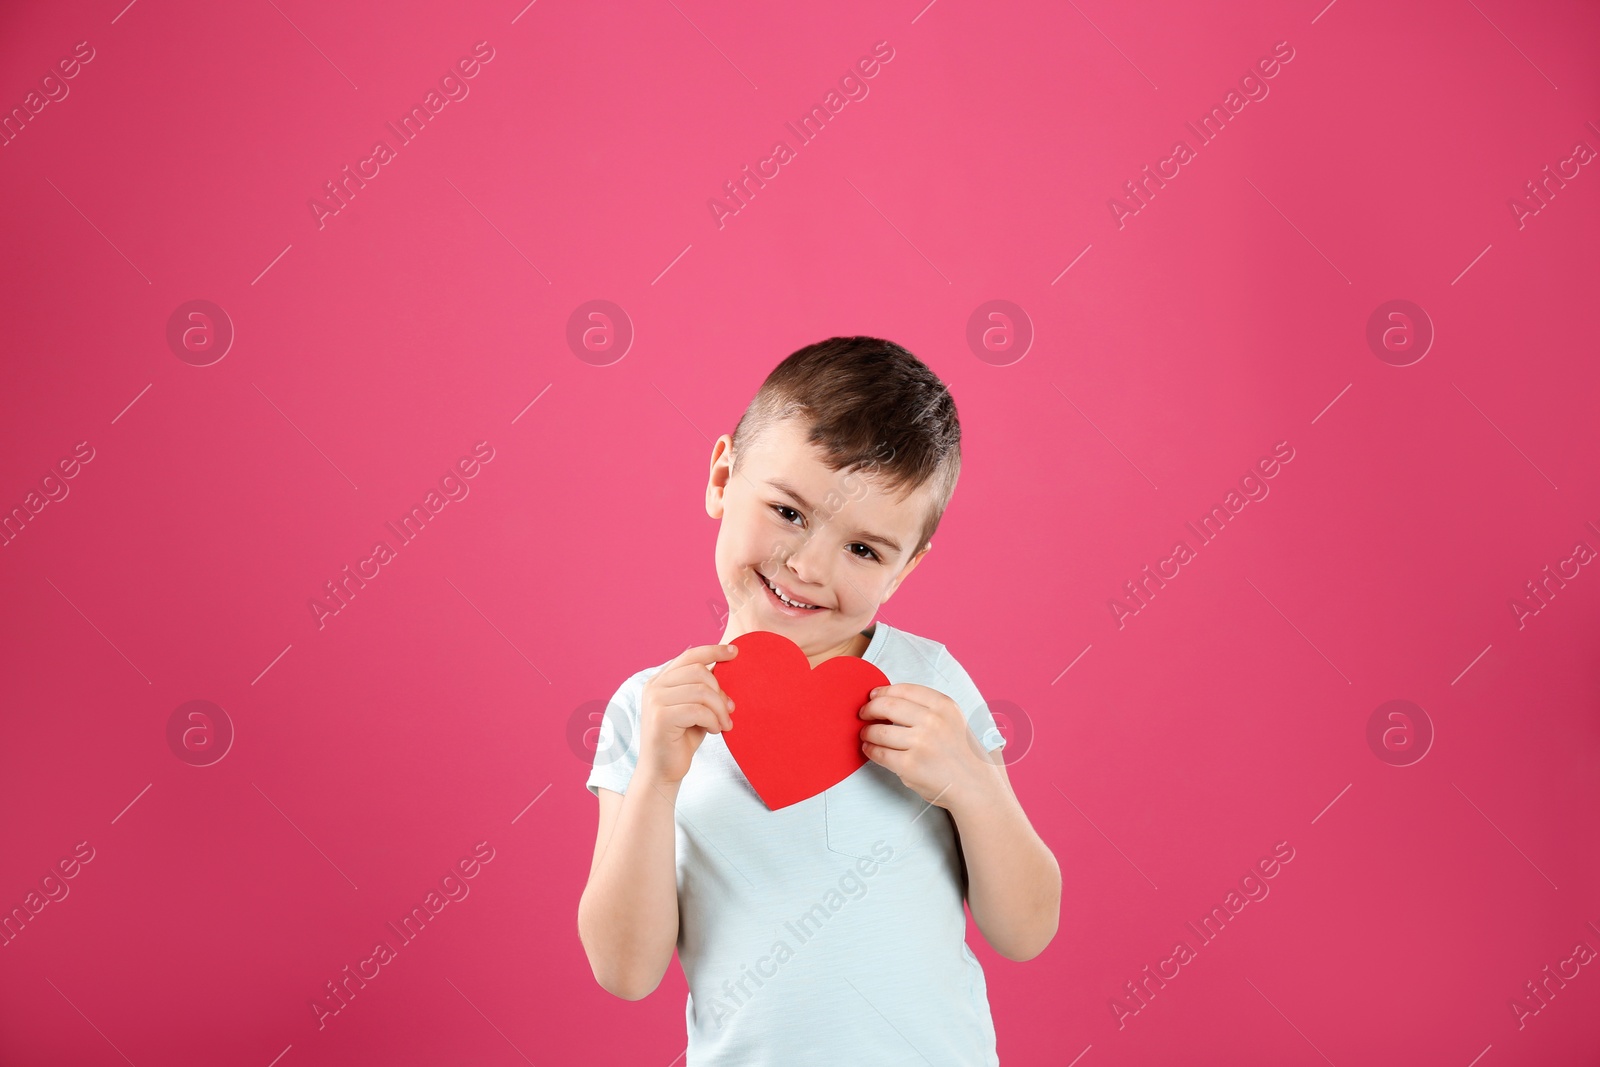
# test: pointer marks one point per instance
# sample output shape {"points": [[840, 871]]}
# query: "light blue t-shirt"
{"points": [[831, 931]]}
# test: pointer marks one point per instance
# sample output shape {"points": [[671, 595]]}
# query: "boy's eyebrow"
{"points": [[784, 487]]}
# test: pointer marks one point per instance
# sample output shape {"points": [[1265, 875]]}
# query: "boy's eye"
{"points": [[784, 512]]}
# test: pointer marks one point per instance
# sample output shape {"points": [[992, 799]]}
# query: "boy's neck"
{"points": [[856, 646]]}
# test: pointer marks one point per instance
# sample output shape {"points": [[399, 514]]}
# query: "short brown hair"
{"points": [[872, 405]]}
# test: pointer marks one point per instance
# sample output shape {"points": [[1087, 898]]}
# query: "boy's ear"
{"points": [[907, 572], [721, 470]]}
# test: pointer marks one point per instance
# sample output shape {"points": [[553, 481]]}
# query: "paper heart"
{"points": [[796, 731]]}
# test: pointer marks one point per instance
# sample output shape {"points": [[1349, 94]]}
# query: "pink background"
{"points": [[436, 710]]}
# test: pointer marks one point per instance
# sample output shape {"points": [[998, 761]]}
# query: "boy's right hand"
{"points": [[681, 703]]}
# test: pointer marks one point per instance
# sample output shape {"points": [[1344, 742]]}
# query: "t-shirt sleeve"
{"points": [[616, 747], [954, 682]]}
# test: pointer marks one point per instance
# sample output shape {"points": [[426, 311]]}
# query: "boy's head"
{"points": [[831, 486]]}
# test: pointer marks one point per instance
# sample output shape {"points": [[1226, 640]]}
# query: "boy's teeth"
{"points": [[786, 600]]}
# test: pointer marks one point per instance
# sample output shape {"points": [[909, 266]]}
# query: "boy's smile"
{"points": [[834, 544]]}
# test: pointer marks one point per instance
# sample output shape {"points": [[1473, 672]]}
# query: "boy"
{"points": [[830, 931]]}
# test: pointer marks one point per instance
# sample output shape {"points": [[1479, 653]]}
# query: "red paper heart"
{"points": [[796, 731]]}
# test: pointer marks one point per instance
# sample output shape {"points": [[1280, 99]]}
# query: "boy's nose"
{"points": [[808, 563]]}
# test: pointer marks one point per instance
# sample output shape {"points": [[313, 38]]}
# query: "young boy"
{"points": [[830, 931]]}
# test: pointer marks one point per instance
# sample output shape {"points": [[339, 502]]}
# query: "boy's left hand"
{"points": [[926, 741]]}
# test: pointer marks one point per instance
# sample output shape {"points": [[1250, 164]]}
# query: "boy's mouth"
{"points": [[784, 600]]}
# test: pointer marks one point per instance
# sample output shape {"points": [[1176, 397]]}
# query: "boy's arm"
{"points": [[1013, 879], [628, 914]]}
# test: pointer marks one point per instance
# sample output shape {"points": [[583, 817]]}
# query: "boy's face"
{"points": [[829, 539]]}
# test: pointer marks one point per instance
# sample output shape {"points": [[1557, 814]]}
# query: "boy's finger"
{"points": [[692, 674], [695, 689], [699, 715], [916, 694], [897, 710], [885, 735], [706, 655]]}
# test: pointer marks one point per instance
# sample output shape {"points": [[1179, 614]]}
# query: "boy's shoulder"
{"points": [[918, 642], [633, 685], [912, 653]]}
